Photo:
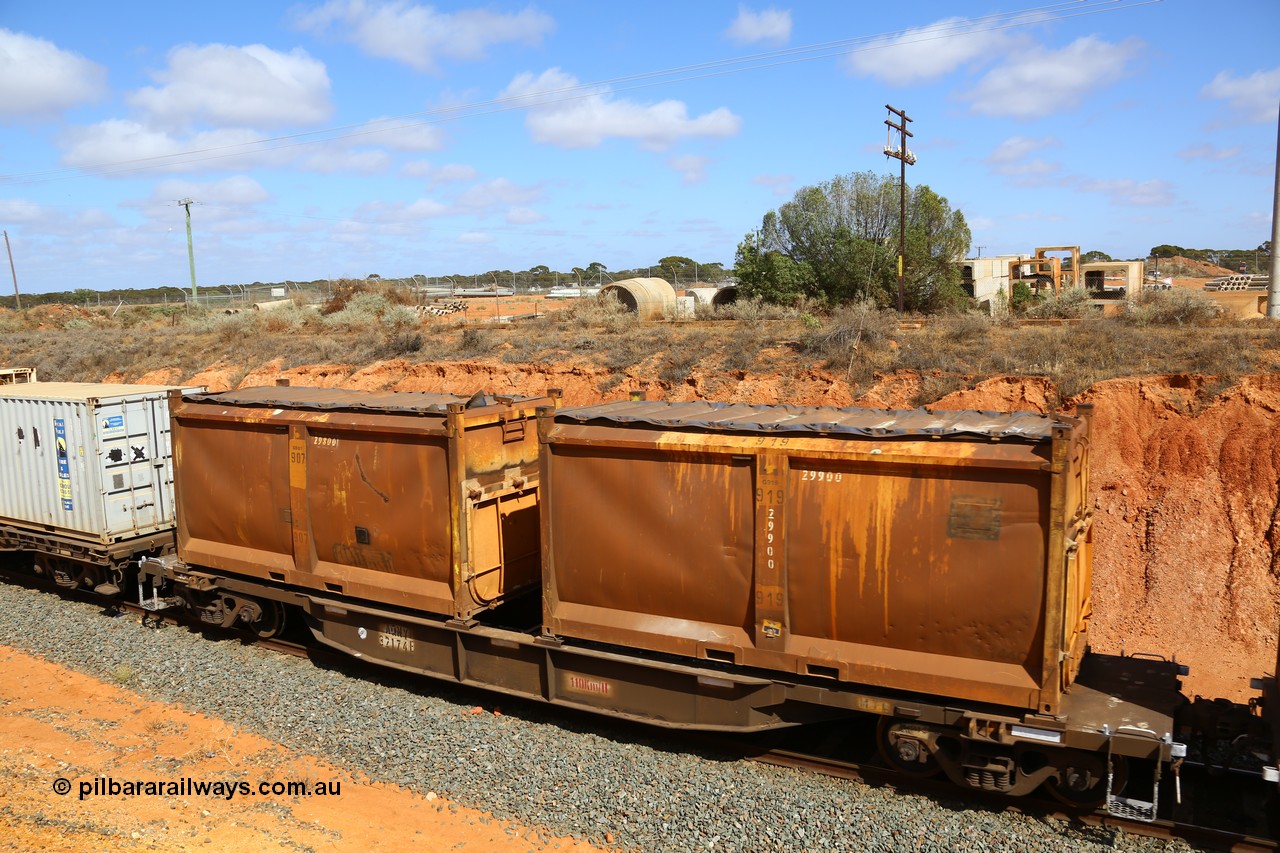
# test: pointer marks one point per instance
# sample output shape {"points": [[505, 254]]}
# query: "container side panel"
{"points": [[943, 561], [380, 502], [665, 535], [233, 496], [51, 471]]}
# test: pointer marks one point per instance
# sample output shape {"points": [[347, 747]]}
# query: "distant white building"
{"points": [[983, 278]]}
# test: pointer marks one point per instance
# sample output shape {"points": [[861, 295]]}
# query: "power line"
{"points": [[680, 74]]}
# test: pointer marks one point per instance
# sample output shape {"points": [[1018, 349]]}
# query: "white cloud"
{"points": [[237, 190], [1034, 172], [1016, 148], [700, 224], [927, 53], [475, 238], [1209, 151], [476, 200], [19, 210], [779, 185], [417, 169], [499, 191], [130, 145], [1037, 83], [450, 172], [1254, 96], [39, 80], [1035, 216], [524, 216], [227, 86], [399, 136], [768, 25], [1127, 191], [1012, 158], [420, 35], [587, 121], [692, 168], [435, 175], [331, 159], [426, 208], [121, 141]]}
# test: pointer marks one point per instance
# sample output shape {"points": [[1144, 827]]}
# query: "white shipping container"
{"points": [[88, 460]]}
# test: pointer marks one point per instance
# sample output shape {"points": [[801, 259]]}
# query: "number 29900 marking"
{"points": [[821, 476]]}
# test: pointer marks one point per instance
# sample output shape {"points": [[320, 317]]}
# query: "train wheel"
{"points": [[904, 754], [271, 623], [1084, 783]]}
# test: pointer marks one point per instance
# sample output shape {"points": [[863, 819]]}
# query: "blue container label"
{"points": [[64, 463]]}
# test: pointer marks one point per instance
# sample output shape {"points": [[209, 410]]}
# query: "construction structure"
{"points": [[991, 280]]}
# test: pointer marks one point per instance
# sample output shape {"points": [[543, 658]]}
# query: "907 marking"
{"points": [[821, 476]]}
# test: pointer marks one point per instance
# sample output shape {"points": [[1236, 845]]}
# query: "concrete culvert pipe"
{"points": [[651, 298], [725, 296], [716, 297], [272, 306]]}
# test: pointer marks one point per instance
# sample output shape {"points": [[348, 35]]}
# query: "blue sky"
{"points": [[338, 139]]}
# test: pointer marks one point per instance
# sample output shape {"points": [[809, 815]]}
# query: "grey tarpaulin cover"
{"points": [[299, 397], [872, 423]]}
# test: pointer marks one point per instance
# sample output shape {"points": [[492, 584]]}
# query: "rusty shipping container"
{"points": [[426, 501], [946, 553]]}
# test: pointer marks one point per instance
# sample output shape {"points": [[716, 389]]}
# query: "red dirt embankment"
{"points": [[1186, 492]]}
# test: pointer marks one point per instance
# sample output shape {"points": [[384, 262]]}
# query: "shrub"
{"points": [[370, 310], [348, 290], [852, 327], [1021, 296], [397, 345], [1177, 307], [1071, 303], [755, 310], [935, 386], [473, 342], [594, 312]]}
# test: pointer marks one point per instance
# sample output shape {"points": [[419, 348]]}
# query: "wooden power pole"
{"points": [[906, 157], [17, 298], [191, 254]]}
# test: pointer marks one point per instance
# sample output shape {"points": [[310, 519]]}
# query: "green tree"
{"points": [[1093, 256], [771, 275], [681, 268], [843, 235]]}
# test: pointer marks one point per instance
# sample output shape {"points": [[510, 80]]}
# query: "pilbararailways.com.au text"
{"points": [[106, 786]]}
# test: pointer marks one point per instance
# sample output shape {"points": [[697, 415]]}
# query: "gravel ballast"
{"points": [[572, 774]]}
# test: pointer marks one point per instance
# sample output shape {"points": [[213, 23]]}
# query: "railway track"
{"points": [[1040, 807]]}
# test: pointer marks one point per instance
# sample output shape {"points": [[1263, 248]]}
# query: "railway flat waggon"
{"points": [[703, 566]]}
